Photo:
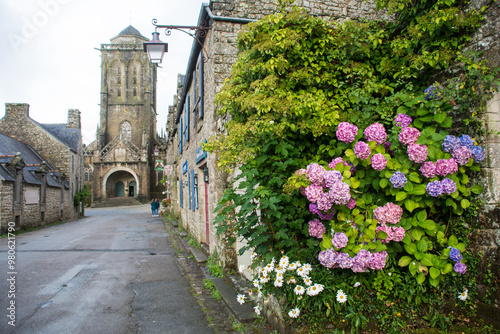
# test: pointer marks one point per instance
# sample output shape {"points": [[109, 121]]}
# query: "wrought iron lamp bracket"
{"points": [[196, 32]]}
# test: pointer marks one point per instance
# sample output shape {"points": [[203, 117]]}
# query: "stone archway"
{"points": [[118, 182]]}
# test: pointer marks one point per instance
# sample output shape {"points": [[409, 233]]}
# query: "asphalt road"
{"points": [[113, 271]]}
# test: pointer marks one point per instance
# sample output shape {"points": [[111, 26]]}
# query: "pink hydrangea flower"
{"points": [[394, 213], [417, 153], [316, 229], [375, 132], [331, 177], [362, 150], [462, 155], [316, 173], [380, 214], [378, 260], [387, 230], [398, 234], [346, 132], [337, 161], [408, 136], [340, 240], [325, 202], [428, 169], [314, 192], [378, 161], [403, 120], [442, 167], [352, 204], [340, 193]]}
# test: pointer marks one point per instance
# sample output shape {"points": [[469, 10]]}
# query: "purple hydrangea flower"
{"points": [[339, 240], [361, 261], [455, 254], [344, 260], [408, 136], [314, 192], [398, 180], [433, 92], [316, 229], [453, 166], [375, 132], [428, 169], [417, 153], [315, 172], [313, 208], [380, 214], [362, 150], [352, 204], [331, 177], [477, 153], [378, 161], [466, 141], [346, 132], [435, 189], [378, 260], [393, 213], [328, 258], [326, 216], [460, 268], [325, 202], [450, 143], [340, 193], [449, 186], [403, 120], [462, 155], [353, 168], [442, 167]]}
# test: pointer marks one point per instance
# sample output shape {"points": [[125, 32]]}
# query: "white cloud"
{"points": [[49, 60]]}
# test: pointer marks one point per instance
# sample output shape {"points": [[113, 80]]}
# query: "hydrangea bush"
{"points": [[384, 197]]}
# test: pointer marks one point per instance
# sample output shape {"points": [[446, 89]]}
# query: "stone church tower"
{"points": [[120, 160]]}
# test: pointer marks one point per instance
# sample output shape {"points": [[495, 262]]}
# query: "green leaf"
{"points": [[421, 278], [383, 183], [440, 117], [452, 241], [414, 177], [427, 260], [422, 245], [401, 196], [428, 225], [477, 189], [326, 243], [410, 248], [447, 268], [419, 190], [422, 215], [404, 261], [464, 203], [460, 246], [410, 205], [434, 272]]}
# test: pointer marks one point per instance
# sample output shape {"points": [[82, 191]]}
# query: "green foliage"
{"points": [[81, 196], [296, 79], [214, 266]]}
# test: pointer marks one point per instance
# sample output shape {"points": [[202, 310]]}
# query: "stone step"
{"points": [[244, 313]]}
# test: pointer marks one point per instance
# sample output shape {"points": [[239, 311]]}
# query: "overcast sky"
{"points": [[48, 57]]}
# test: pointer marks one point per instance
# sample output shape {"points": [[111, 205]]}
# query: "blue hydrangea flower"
{"points": [[455, 254], [449, 186], [467, 141], [435, 189], [450, 143], [398, 180], [477, 153], [433, 92]]}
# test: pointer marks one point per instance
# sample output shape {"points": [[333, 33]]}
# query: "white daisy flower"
{"points": [[256, 283], [356, 284], [242, 267], [260, 294], [270, 267], [299, 290], [463, 295], [284, 262], [307, 281], [312, 290], [294, 313], [257, 309], [253, 256], [279, 275], [240, 299], [341, 296], [278, 283], [302, 271], [264, 279], [320, 287], [307, 267], [292, 266]]}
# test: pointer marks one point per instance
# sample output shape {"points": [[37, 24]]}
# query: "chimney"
{"points": [[17, 110], [74, 119]]}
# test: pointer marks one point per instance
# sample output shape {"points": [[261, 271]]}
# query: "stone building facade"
{"points": [[193, 118], [32, 191], [60, 145], [120, 160]]}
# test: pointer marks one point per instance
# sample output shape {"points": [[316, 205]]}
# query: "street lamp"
{"points": [[205, 174], [156, 48], [156, 151]]}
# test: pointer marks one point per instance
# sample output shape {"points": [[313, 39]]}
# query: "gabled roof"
{"points": [[10, 146], [68, 136], [130, 31]]}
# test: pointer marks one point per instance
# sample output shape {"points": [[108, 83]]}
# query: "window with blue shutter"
{"points": [[190, 185], [181, 143], [180, 193], [193, 190], [200, 83], [195, 97]]}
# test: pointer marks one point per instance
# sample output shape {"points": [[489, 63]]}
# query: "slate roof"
{"points": [[9, 147], [68, 136], [130, 31]]}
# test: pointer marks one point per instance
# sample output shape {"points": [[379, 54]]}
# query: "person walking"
{"points": [[153, 207], [157, 207]]}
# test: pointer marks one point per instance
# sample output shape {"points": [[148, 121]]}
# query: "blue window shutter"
{"points": [[187, 117], [194, 99], [200, 85], [181, 134], [180, 192], [189, 191], [192, 190]]}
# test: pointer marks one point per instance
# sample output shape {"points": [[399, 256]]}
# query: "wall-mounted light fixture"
{"points": [[156, 48], [205, 174], [156, 151]]}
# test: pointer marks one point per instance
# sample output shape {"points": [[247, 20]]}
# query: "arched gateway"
{"points": [[120, 182]]}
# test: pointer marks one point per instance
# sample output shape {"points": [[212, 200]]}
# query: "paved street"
{"points": [[114, 271]]}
